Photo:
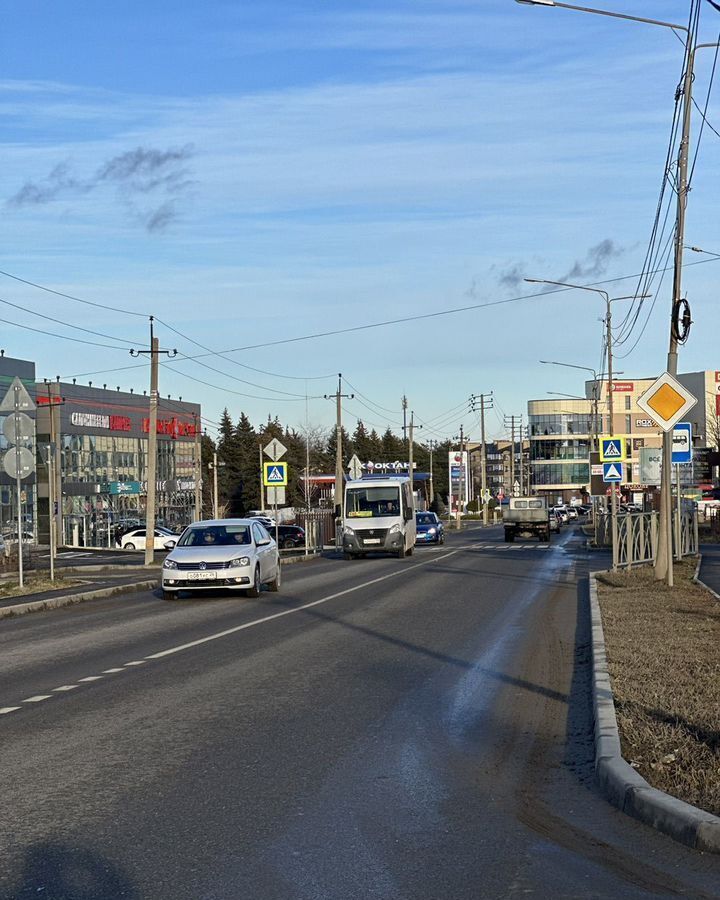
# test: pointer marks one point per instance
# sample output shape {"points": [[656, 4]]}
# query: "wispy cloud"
{"points": [[595, 262], [157, 177]]}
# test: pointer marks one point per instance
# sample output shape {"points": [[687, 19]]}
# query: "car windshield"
{"points": [[425, 518], [373, 501], [216, 536]]}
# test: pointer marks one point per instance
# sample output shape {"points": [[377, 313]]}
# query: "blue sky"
{"points": [[257, 172]]}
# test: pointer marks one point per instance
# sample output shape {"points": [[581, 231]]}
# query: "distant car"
{"points": [[289, 536], [554, 521], [11, 537], [572, 512], [236, 554], [136, 539], [428, 529], [265, 521], [562, 512]]}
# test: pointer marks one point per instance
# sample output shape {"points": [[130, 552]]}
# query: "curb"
{"points": [[624, 787], [696, 579], [22, 609]]}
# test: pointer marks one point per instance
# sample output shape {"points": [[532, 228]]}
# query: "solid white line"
{"points": [[37, 699], [136, 662], [65, 687], [297, 609], [91, 678], [112, 671], [8, 709]]}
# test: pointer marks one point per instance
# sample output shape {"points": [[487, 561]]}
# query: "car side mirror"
{"points": [[170, 544], [409, 515], [264, 542]]}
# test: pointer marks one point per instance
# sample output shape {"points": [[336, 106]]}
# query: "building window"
{"points": [[628, 401], [628, 424]]}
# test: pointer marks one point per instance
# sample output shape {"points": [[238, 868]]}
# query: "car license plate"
{"points": [[201, 576], [371, 541]]}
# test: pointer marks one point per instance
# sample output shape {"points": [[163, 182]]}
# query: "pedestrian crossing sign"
{"points": [[612, 449], [275, 474]]}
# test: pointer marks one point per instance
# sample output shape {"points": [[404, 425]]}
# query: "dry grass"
{"points": [[663, 649], [34, 584]]}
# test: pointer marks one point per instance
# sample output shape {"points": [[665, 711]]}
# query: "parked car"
{"points": [[572, 513], [266, 521], [236, 554], [136, 539], [289, 536], [428, 529], [554, 520]]}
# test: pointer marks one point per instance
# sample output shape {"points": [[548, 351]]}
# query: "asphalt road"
{"points": [[379, 729]]}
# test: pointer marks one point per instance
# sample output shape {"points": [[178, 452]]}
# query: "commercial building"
{"points": [[100, 438], [501, 470], [563, 431]]}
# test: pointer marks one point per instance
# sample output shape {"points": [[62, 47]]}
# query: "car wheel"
{"points": [[347, 555], [274, 585], [409, 551], [170, 595], [401, 553], [254, 591], [128, 546], [288, 544]]}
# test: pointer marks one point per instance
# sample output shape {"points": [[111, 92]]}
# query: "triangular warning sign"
{"points": [[613, 471], [275, 475], [612, 450], [17, 397]]}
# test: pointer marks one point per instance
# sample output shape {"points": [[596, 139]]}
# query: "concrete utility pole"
{"points": [[463, 477], [486, 402], [154, 354], [198, 470], [413, 426], [663, 561], [338, 397], [511, 422], [215, 465], [432, 445], [404, 412], [54, 478]]}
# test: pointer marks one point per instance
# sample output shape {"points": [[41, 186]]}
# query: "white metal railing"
{"points": [[637, 535]]}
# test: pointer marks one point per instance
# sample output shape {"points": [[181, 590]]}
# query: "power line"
{"points": [[41, 287], [40, 315]]}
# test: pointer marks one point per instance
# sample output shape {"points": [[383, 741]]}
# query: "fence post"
{"points": [[629, 539], [653, 535]]}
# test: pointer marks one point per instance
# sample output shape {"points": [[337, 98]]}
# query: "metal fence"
{"points": [[638, 536], [319, 525]]}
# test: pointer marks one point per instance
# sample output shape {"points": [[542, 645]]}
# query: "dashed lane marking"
{"points": [[213, 637]]}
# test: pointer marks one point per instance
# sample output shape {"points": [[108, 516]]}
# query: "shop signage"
{"points": [[650, 464], [123, 487], [622, 387], [396, 466], [173, 427], [645, 423]]}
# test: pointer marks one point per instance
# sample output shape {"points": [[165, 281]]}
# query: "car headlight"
{"points": [[395, 528], [349, 530], [169, 564], [239, 561], [432, 530]]}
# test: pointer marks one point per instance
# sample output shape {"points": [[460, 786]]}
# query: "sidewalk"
{"points": [[710, 567]]}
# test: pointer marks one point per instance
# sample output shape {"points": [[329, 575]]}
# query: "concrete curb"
{"points": [[22, 609], [696, 579], [624, 787]]}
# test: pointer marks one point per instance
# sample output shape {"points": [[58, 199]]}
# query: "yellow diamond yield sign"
{"points": [[667, 401]]}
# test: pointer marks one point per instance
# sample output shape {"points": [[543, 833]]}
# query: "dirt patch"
{"points": [[662, 647], [34, 585]]}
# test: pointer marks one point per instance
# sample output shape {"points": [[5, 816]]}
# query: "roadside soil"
{"points": [[662, 647], [35, 584]]}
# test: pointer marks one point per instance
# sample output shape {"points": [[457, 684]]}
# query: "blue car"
{"points": [[429, 529]]}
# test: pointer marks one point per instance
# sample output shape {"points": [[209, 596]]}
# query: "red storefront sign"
{"points": [[173, 427], [622, 387]]}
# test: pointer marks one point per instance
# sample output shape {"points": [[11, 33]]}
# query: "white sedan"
{"points": [[236, 554], [137, 539]]}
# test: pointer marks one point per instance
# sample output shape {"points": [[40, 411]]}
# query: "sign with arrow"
{"points": [[275, 474], [355, 468]]}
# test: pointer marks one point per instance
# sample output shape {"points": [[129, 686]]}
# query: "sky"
{"points": [[251, 174]]}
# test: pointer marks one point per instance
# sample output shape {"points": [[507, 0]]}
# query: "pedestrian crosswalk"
{"points": [[513, 546]]}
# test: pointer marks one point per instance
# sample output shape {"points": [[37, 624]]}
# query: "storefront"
{"points": [[101, 445]]}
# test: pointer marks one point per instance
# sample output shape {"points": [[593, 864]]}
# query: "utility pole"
{"points": [[486, 402], [154, 354], [338, 396], [54, 478], [198, 470], [404, 412], [413, 426], [215, 465], [512, 449], [432, 445], [463, 476]]}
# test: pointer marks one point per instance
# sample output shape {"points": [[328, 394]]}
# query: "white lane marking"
{"points": [[65, 687], [297, 609], [112, 671], [37, 698], [8, 709], [91, 678], [137, 662]]}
